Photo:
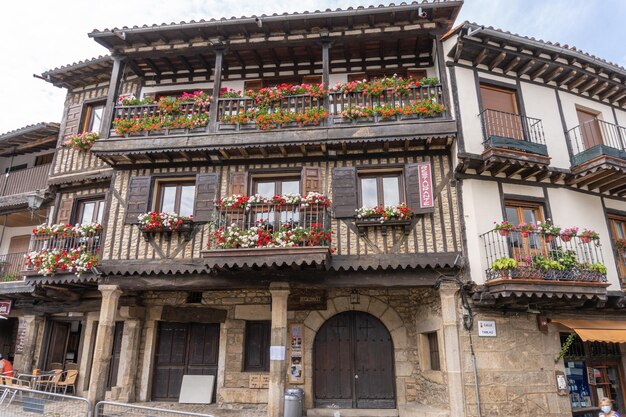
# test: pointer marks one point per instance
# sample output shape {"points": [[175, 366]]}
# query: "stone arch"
{"points": [[372, 305]]}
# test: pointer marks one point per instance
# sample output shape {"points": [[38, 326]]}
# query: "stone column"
{"points": [[452, 351], [127, 371], [104, 342], [30, 325], [278, 367], [84, 368]]}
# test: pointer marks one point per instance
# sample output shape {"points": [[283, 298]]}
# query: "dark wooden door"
{"points": [[114, 363], [353, 363], [57, 347], [183, 349]]}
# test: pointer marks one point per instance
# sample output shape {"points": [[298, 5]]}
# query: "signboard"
{"points": [[486, 328], [21, 337], [307, 300], [259, 382], [562, 387], [425, 178], [296, 350], [5, 307]]}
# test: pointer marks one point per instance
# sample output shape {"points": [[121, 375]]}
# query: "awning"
{"points": [[597, 330]]}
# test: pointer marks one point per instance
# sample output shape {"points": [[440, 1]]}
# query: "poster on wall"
{"points": [[21, 337], [296, 353]]}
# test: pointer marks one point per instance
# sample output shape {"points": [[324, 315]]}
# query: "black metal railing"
{"points": [[597, 132], [11, 264], [90, 243], [539, 256], [511, 126], [269, 225]]}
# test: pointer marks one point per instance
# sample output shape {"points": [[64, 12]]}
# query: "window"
{"points": [[527, 212], [433, 349], [500, 112], [257, 346], [177, 93], [177, 197], [90, 211], [44, 159], [15, 168], [618, 232], [589, 127], [92, 118], [269, 187], [380, 190]]}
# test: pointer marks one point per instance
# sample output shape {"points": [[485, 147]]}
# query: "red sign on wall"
{"points": [[425, 178], [5, 307]]}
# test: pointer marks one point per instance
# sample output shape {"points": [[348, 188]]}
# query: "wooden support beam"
{"points": [[553, 74], [217, 85], [587, 86], [457, 52], [599, 182], [539, 72], [134, 68], [497, 60], [526, 67], [115, 85], [480, 58], [609, 92], [224, 154], [598, 89], [578, 81], [615, 184], [512, 64], [567, 78]]}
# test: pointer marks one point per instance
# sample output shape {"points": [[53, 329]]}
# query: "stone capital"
{"points": [[108, 290], [279, 289]]}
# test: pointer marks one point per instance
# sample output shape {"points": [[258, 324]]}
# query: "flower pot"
{"points": [[524, 233], [548, 238], [585, 239], [566, 238], [505, 273], [504, 232]]}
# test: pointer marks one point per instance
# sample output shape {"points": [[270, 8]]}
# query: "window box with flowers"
{"points": [[154, 223], [384, 217], [82, 142]]}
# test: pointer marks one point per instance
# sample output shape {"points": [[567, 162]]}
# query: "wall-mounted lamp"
{"points": [[355, 298], [34, 201]]}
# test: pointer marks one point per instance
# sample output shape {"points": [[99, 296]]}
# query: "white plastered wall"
{"points": [[10, 232], [522, 190], [614, 204], [469, 109]]}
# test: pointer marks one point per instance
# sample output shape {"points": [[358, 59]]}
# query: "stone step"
{"points": [[352, 412]]}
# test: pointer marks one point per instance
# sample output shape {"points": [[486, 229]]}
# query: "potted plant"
{"points": [[589, 235], [568, 233], [548, 231], [526, 228], [620, 244], [504, 228], [504, 266]]}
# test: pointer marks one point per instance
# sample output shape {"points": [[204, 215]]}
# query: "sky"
{"points": [[39, 35]]}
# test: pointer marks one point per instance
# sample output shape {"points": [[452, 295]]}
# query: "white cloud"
{"points": [[40, 35]]}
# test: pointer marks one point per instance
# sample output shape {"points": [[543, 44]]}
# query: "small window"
{"points": [[16, 168], [618, 233], [92, 118], [44, 159], [257, 346], [433, 349], [90, 211], [177, 197], [527, 212], [380, 190]]}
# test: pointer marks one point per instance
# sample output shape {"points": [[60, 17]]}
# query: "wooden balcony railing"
{"points": [[596, 137], [11, 264], [25, 180], [535, 256], [509, 130]]}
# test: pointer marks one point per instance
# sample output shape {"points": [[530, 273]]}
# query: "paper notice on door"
{"points": [[277, 353]]}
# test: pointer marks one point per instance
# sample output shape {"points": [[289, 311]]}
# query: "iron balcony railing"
{"points": [[597, 132], [90, 243], [620, 255], [499, 124], [10, 266], [542, 257], [269, 225], [24, 180]]}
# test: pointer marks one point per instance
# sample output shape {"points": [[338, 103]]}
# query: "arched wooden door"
{"points": [[353, 363]]}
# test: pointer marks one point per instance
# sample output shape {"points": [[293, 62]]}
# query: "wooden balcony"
{"points": [[599, 156], [543, 268], [24, 181], [514, 144], [11, 265], [270, 236]]}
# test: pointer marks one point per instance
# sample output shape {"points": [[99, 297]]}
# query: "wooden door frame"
{"points": [[614, 362]]}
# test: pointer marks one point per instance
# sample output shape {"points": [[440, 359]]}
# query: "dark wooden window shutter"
{"points": [[257, 346], [311, 180], [238, 183], [138, 195], [411, 179], [65, 210], [206, 190], [344, 192]]}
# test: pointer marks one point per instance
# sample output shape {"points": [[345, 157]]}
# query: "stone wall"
{"points": [[515, 369]]}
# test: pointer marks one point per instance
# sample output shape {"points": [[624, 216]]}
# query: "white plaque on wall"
{"points": [[486, 328], [277, 353]]}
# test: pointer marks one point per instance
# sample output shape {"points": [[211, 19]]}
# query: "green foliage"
{"points": [[429, 81], [502, 264]]}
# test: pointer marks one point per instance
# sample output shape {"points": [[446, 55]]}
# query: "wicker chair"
{"points": [[50, 384]]}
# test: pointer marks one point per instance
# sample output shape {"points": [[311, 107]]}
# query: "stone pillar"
{"points": [[278, 368], [86, 356], [452, 351], [24, 362], [104, 342], [150, 330], [127, 371]]}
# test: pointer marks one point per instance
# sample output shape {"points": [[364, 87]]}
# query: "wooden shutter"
{"points": [[311, 180], [238, 183], [412, 181], [65, 210], [73, 118], [137, 201], [206, 190], [344, 192]]}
